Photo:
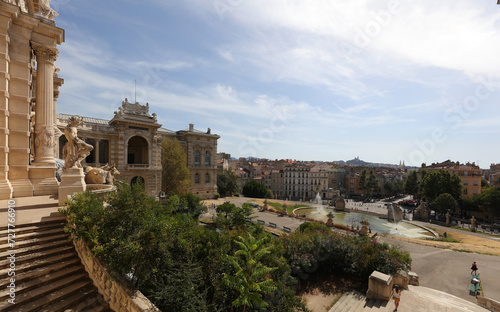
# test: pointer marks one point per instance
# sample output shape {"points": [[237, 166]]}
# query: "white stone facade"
{"points": [[28, 93]]}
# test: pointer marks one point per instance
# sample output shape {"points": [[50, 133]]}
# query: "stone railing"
{"points": [[488, 303], [119, 294], [380, 285]]}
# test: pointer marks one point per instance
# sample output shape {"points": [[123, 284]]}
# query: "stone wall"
{"points": [[120, 296], [488, 303]]}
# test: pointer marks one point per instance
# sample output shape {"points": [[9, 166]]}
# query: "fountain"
{"points": [[395, 213], [364, 228], [376, 224], [319, 203]]}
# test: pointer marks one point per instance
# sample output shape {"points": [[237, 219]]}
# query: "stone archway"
{"points": [[137, 151], [138, 180]]}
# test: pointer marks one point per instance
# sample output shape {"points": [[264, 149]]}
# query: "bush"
{"points": [[312, 226], [216, 195], [314, 251]]}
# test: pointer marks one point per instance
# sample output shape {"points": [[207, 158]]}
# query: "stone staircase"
{"points": [[415, 299], [49, 275], [354, 301]]}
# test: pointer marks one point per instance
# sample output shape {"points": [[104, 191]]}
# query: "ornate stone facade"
{"points": [[28, 87], [132, 141]]}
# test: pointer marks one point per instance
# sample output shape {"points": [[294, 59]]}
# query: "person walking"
{"points": [[396, 295], [474, 268]]}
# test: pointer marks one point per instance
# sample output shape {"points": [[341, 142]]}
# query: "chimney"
{"points": [[191, 127]]}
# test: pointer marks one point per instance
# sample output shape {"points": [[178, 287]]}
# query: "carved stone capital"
{"points": [[44, 53]]}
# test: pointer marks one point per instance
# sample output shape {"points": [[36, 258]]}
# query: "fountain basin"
{"points": [[378, 225]]}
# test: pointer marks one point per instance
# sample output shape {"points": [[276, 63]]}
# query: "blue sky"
{"points": [[387, 81]]}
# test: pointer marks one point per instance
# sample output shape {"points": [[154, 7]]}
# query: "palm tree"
{"points": [[251, 279]]}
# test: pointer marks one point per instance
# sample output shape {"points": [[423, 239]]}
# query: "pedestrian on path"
{"points": [[474, 268], [396, 295]]}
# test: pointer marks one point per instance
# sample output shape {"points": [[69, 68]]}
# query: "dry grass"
{"points": [[468, 243]]}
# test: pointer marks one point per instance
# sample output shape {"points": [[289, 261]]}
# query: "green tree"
{"points": [[255, 189], [175, 177], [444, 203], [362, 179], [439, 182], [372, 182], [227, 182], [251, 279], [489, 199], [484, 183], [411, 184], [229, 215]]}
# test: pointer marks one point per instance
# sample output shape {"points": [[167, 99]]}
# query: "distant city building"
{"points": [[495, 175], [469, 173]]}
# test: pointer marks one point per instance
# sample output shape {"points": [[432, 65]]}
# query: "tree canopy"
{"points": [[411, 184], [175, 176], [227, 182], [256, 189], [444, 203], [439, 182]]}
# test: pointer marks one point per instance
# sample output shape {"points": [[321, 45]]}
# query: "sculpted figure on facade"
{"points": [[75, 149], [104, 175], [46, 11]]}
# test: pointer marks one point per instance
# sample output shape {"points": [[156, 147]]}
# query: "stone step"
{"points": [[38, 255], [92, 304], [34, 241], [75, 299], [343, 301], [41, 297], [18, 237], [26, 276], [35, 248], [30, 266], [358, 302], [29, 284], [33, 226]]}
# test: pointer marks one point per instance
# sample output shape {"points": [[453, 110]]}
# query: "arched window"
{"points": [[196, 178], [138, 149], [197, 157], [137, 180], [207, 158], [207, 178]]}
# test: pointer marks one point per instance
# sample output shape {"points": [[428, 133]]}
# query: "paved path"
{"points": [[449, 271]]}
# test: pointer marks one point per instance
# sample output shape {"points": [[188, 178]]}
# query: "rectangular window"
{"points": [[103, 151]]}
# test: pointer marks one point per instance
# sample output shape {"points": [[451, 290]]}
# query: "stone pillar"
{"points": [[5, 186], [42, 171], [97, 161], [20, 106]]}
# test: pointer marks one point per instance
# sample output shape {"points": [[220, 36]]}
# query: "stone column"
{"points": [[20, 95], [5, 186], [42, 171], [97, 161]]}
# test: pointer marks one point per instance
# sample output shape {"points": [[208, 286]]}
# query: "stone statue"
{"points": [[46, 11], [473, 224], [104, 175], [75, 149]]}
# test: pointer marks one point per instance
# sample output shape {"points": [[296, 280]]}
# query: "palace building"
{"points": [[132, 141]]}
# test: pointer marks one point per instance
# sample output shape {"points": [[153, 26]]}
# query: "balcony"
{"points": [[137, 166]]}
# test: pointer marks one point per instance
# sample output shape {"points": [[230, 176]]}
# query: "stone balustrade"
{"points": [[118, 293]]}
